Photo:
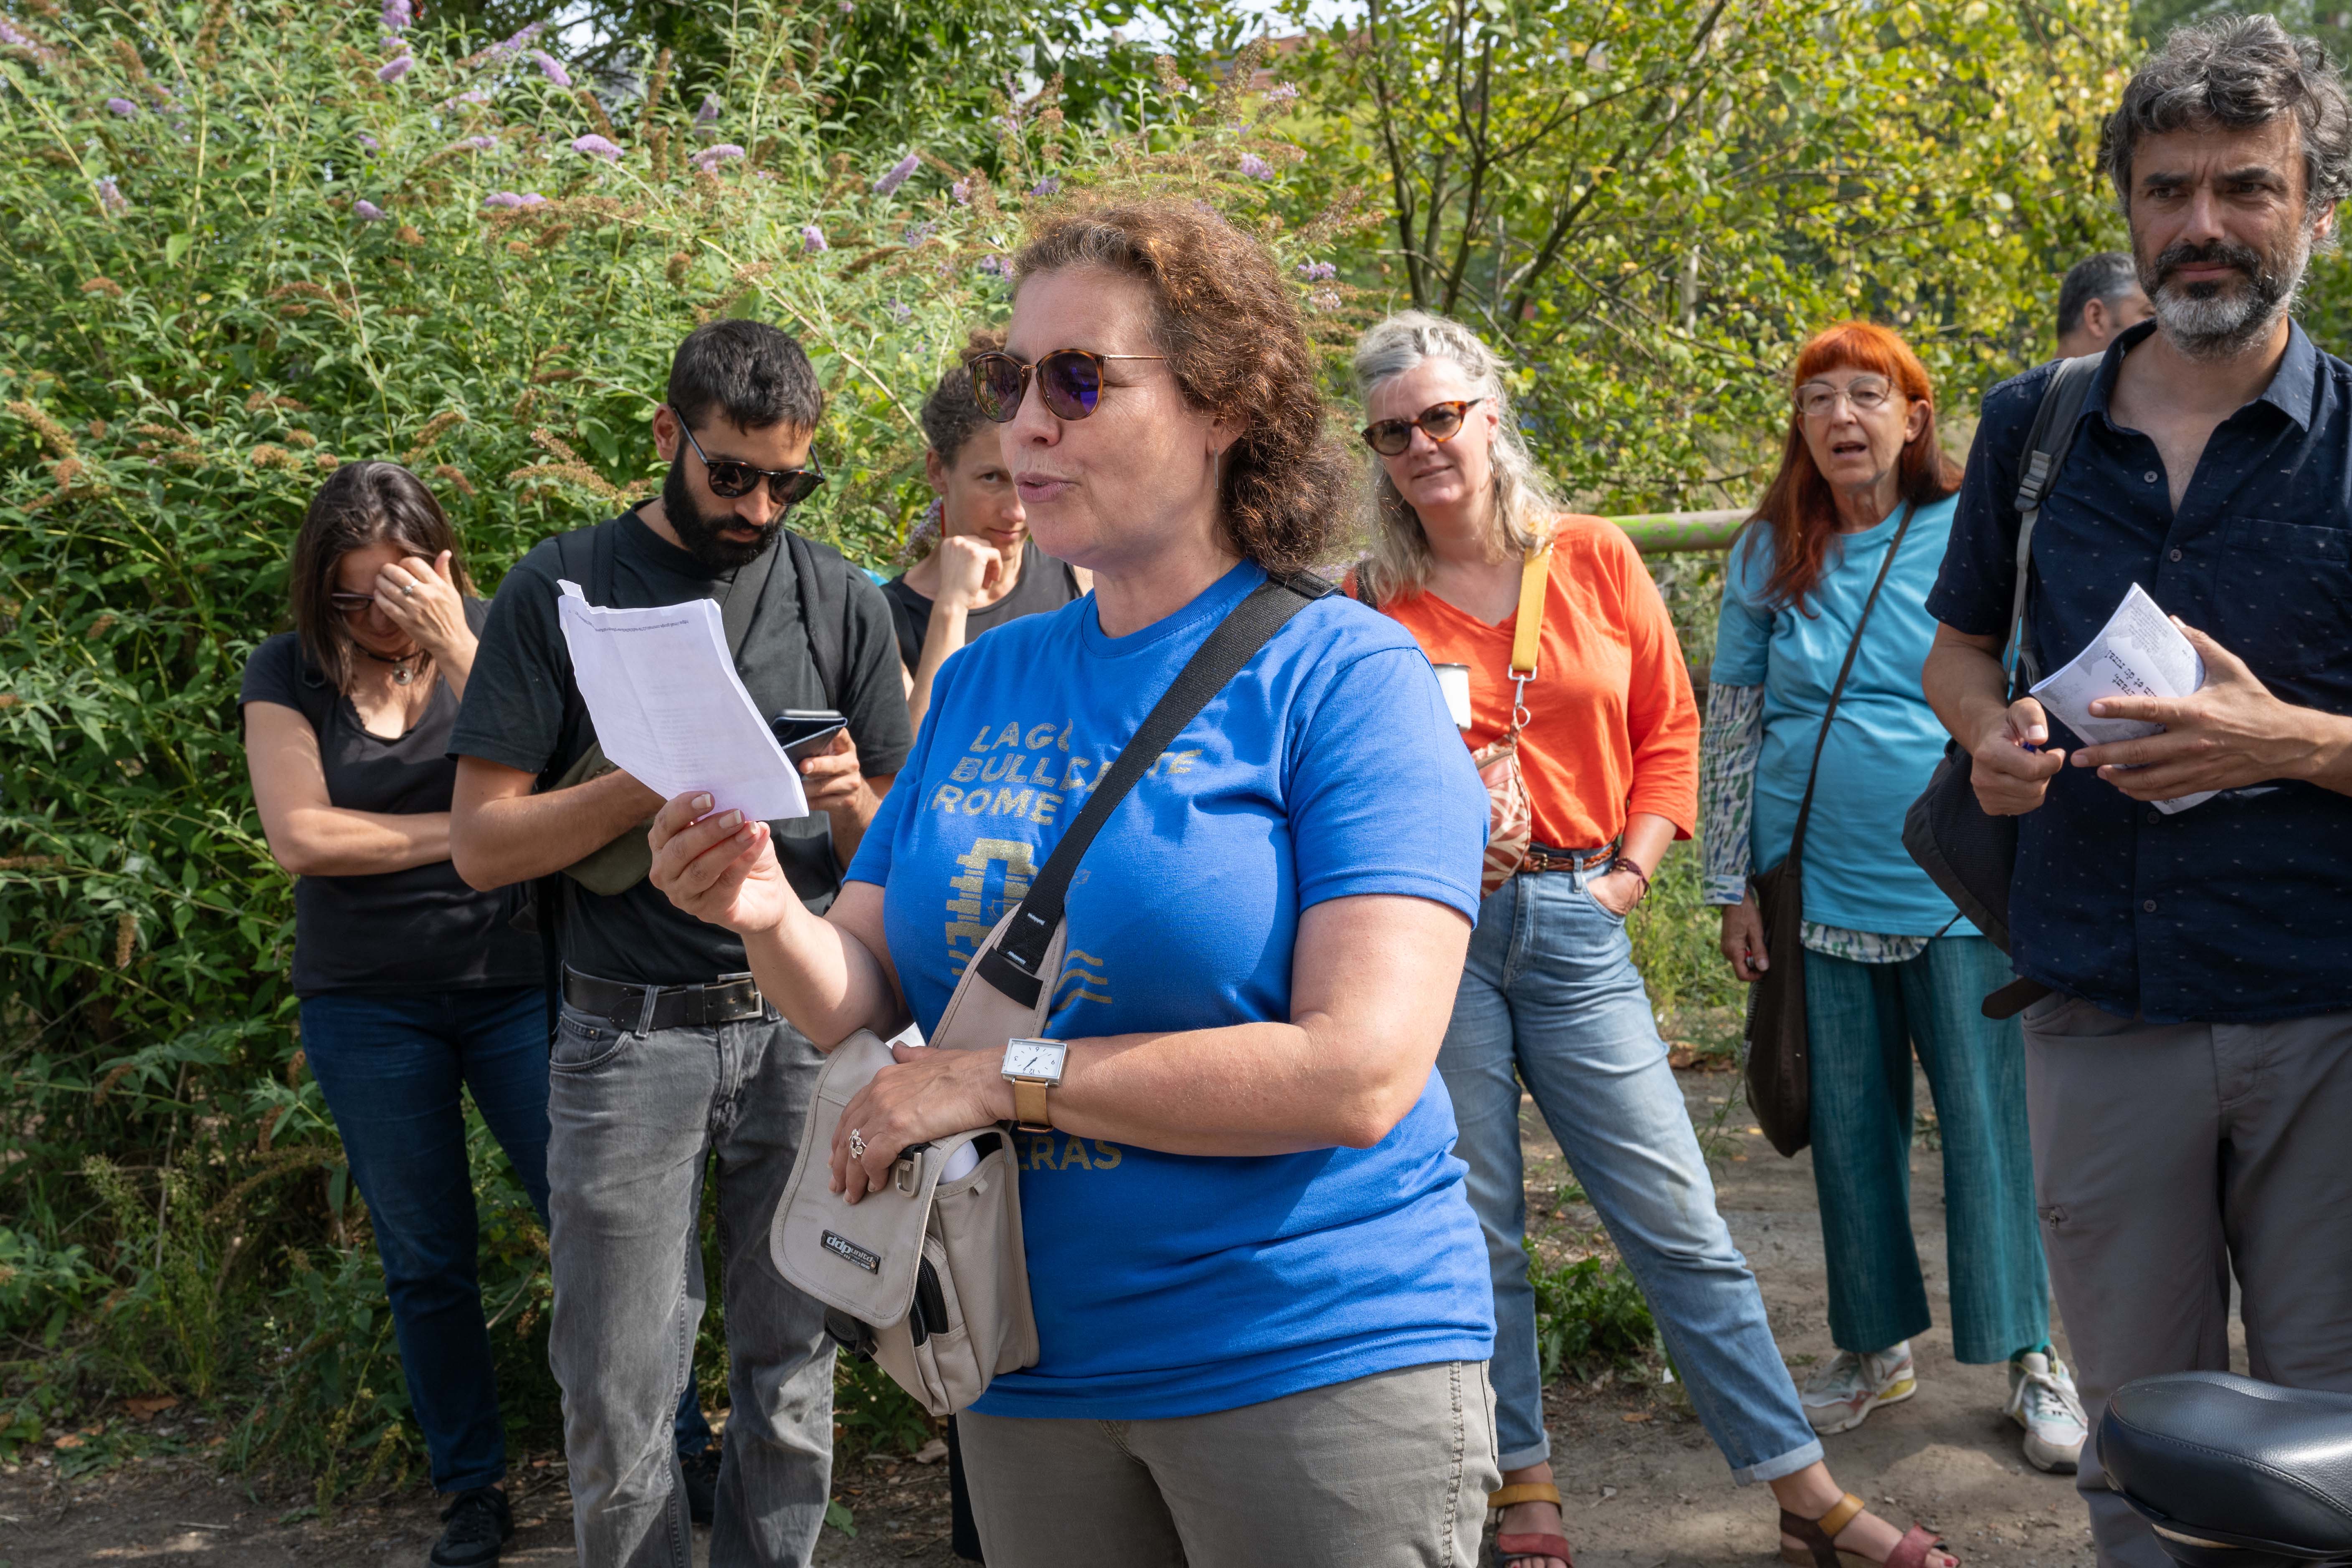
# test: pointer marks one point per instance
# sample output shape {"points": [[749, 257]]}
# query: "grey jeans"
{"points": [[2165, 1156], [633, 1119], [1387, 1471]]}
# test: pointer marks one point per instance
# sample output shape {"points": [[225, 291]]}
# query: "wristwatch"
{"points": [[1033, 1067]]}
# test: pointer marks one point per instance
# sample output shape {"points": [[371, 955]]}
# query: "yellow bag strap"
{"points": [[1535, 575]]}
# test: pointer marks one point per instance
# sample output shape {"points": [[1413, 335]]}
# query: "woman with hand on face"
{"points": [[1262, 1309], [1607, 743], [983, 569], [413, 987], [1889, 966]]}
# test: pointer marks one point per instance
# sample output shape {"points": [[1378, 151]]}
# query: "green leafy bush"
{"points": [[1588, 1314]]}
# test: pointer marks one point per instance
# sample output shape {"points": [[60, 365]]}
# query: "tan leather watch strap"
{"points": [[1031, 1113]]}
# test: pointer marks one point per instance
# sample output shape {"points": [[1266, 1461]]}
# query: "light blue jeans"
{"points": [[1550, 997]]}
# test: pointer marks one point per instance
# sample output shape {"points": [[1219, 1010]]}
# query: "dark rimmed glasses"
{"points": [[1069, 383], [1441, 422], [731, 478], [350, 604]]}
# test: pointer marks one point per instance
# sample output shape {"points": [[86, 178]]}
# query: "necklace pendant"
{"points": [[400, 676]]}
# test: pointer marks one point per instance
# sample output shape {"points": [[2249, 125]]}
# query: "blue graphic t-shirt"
{"points": [[1175, 1285]]}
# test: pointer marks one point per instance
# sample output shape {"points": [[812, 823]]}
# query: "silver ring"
{"points": [[857, 1145], [408, 590]]}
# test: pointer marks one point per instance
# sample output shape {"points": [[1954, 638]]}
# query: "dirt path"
{"points": [[1644, 1486]]}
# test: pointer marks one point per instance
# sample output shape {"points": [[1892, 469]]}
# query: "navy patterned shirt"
{"points": [[2241, 909]]}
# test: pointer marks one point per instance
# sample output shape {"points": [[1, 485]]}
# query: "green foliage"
{"points": [[1589, 1313], [237, 256], [873, 1415]]}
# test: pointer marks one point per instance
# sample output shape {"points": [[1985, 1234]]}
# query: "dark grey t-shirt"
{"points": [[1046, 585], [513, 715], [418, 930]]}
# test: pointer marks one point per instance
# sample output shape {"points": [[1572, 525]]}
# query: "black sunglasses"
{"points": [[732, 476], [1442, 421], [1069, 382]]}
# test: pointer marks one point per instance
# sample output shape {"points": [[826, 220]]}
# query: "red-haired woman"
{"points": [[1889, 964]]}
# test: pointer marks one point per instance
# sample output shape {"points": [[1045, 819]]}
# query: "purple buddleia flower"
{"points": [[1046, 186], [1325, 300], [532, 199], [124, 107], [962, 191], [502, 199], [812, 240], [710, 158], [475, 144], [918, 233], [595, 146], [110, 197], [1318, 271], [1255, 167], [392, 71], [900, 310], [550, 67], [995, 267], [30, 45], [509, 49], [368, 212], [369, 142], [399, 16], [475, 95], [1282, 92], [897, 174], [705, 118]]}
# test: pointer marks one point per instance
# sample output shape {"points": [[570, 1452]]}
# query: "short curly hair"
{"points": [[951, 414], [1237, 346], [2237, 73]]}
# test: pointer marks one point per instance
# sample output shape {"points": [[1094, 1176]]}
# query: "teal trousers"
{"points": [[1864, 1021]]}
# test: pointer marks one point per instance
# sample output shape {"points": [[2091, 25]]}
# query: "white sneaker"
{"points": [[2043, 1400], [1841, 1397]]}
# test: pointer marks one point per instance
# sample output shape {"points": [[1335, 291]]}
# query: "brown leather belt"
{"points": [[721, 1001], [1541, 858]]}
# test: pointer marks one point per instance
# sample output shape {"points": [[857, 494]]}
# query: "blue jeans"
{"points": [[1550, 997], [1863, 1021], [392, 1068], [389, 1068]]}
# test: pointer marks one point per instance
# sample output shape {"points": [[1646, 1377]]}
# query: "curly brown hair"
{"points": [[951, 416], [1237, 346]]}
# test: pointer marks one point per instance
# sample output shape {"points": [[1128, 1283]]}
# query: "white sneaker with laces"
{"points": [[1841, 1397], [2043, 1400]]}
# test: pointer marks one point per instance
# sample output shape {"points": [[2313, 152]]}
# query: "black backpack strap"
{"points": [[2047, 442], [1012, 964], [824, 610], [743, 601], [1364, 584]]}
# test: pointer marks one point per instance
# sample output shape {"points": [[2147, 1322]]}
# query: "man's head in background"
{"points": [[2100, 298]]}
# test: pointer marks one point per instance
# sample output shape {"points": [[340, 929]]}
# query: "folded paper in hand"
{"points": [[2138, 653], [669, 708]]}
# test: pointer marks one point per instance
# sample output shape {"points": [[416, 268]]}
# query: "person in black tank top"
{"points": [[975, 565]]}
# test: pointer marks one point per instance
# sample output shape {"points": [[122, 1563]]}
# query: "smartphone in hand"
{"points": [[803, 732]]}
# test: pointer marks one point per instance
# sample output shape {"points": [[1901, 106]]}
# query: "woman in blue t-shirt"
{"points": [[1261, 1295], [1888, 963]]}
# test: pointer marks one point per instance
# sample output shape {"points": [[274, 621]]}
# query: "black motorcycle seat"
{"points": [[2229, 1459]]}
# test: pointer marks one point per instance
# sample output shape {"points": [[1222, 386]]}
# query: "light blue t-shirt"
{"points": [[1175, 1285], [1886, 740]]}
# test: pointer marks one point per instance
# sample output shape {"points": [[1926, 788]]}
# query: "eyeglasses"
{"points": [[1440, 421], [1069, 382], [351, 604], [732, 476], [1863, 395]]}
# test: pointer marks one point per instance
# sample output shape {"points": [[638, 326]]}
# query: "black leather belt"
{"points": [[721, 1001]]}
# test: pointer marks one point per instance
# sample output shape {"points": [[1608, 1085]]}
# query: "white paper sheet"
{"points": [[669, 708], [2138, 653]]}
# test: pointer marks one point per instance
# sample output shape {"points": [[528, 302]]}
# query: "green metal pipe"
{"points": [[1661, 532]]}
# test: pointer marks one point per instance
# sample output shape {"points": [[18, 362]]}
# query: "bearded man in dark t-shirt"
{"points": [[665, 1051]]}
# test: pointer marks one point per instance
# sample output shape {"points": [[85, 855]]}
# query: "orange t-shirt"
{"points": [[1612, 727]]}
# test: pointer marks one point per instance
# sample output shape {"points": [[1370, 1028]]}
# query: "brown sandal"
{"points": [[1511, 1549], [1820, 1548]]}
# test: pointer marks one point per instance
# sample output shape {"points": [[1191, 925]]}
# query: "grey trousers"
{"points": [[2165, 1156], [1388, 1471], [632, 1120]]}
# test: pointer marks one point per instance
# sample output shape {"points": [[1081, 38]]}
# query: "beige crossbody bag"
{"points": [[928, 1277]]}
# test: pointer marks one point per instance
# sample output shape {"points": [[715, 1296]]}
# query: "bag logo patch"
{"points": [[843, 1247]]}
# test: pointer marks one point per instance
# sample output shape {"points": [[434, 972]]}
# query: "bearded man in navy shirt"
{"points": [[2190, 1076]]}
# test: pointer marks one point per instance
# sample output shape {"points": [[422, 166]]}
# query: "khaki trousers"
{"points": [[1388, 1471], [2165, 1156]]}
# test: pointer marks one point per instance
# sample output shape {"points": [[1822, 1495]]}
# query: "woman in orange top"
{"points": [[1608, 747]]}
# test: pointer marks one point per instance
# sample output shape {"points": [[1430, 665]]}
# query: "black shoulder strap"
{"points": [[1364, 584], [743, 601], [2047, 442], [824, 608], [1805, 811], [1012, 964]]}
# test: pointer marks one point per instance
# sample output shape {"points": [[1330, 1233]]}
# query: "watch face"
{"points": [[1034, 1059]]}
